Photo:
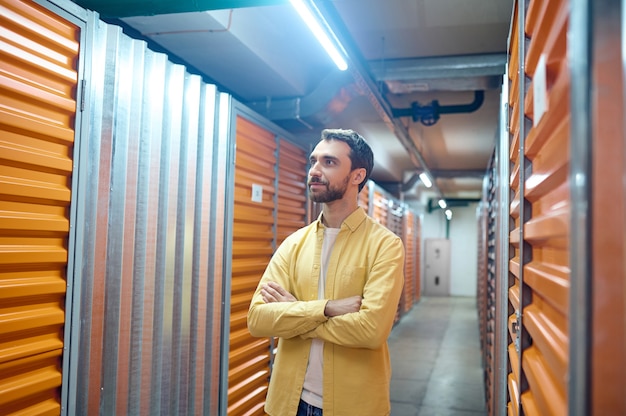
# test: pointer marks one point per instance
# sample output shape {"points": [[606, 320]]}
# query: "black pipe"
{"points": [[479, 97], [429, 114]]}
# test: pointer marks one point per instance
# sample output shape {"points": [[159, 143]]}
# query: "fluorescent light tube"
{"points": [[442, 204], [321, 35], [425, 179]]}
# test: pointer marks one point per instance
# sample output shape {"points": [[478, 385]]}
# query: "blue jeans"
{"points": [[305, 409]]}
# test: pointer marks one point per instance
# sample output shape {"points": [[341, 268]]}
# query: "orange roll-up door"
{"points": [[409, 261], [513, 308], [262, 220], [292, 200], [381, 208], [253, 245], [546, 226], [418, 255], [38, 81]]}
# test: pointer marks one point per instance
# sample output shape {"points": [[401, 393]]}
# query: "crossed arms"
{"points": [[273, 292], [278, 309]]}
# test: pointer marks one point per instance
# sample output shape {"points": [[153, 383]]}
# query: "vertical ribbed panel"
{"points": [[38, 82], [418, 257], [486, 291], [395, 217], [146, 242]]}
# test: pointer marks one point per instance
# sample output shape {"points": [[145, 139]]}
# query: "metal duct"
{"points": [[127, 8], [329, 98], [448, 73]]}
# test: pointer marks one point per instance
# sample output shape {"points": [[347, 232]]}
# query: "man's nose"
{"points": [[314, 170]]}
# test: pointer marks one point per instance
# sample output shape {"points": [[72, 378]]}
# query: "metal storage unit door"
{"points": [[292, 178], [262, 220], [547, 194], [38, 80], [513, 379], [490, 292], [381, 207], [418, 256], [409, 261], [253, 245]]}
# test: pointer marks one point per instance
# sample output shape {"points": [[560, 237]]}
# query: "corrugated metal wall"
{"points": [[148, 247], [38, 84]]}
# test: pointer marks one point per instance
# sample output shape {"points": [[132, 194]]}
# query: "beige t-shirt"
{"points": [[312, 389]]}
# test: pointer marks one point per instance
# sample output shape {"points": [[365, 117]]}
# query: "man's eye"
{"points": [[330, 162]]}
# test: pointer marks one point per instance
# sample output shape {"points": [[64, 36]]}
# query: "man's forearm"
{"points": [[338, 307]]}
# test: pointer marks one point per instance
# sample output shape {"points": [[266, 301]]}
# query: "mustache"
{"points": [[316, 180]]}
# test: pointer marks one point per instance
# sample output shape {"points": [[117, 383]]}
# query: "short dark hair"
{"points": [[361, 155]]}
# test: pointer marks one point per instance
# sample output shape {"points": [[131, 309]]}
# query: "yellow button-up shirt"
{"points": [[367, 260]]}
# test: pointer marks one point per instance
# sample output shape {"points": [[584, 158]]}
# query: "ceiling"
{"points": [[402, 56]]}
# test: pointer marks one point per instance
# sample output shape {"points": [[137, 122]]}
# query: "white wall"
{"points": [[463, 242]]}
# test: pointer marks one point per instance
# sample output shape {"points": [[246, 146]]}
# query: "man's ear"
{"points": [[359, 175]]}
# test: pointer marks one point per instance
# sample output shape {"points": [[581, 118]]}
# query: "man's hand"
{"points": [[273, 292], [342, 306]]}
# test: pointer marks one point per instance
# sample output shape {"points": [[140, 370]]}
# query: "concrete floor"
{"points": [[435, 356]]}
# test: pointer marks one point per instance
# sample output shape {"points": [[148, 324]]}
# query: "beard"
{"points": [[332, 193]]}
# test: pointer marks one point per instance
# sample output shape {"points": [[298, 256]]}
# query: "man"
{"points": [[330, 293]]}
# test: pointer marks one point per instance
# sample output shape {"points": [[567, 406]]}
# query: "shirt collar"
{"points": [[352, 221]]}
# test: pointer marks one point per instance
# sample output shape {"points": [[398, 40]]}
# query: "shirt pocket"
{"points": [[351, 282]]}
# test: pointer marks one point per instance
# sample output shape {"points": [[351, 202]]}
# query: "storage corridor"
{"points": [[435, 356]]}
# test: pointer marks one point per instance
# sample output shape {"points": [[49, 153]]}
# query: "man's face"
{"points": [[330, 171]]}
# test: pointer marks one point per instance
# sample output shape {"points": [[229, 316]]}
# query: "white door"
{"points": [[437, 267]]}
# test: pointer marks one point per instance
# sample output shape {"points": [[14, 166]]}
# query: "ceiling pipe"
{"points": [[428, 115], [364, 80], [459, 173], [433, 203], [410, 183]]}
